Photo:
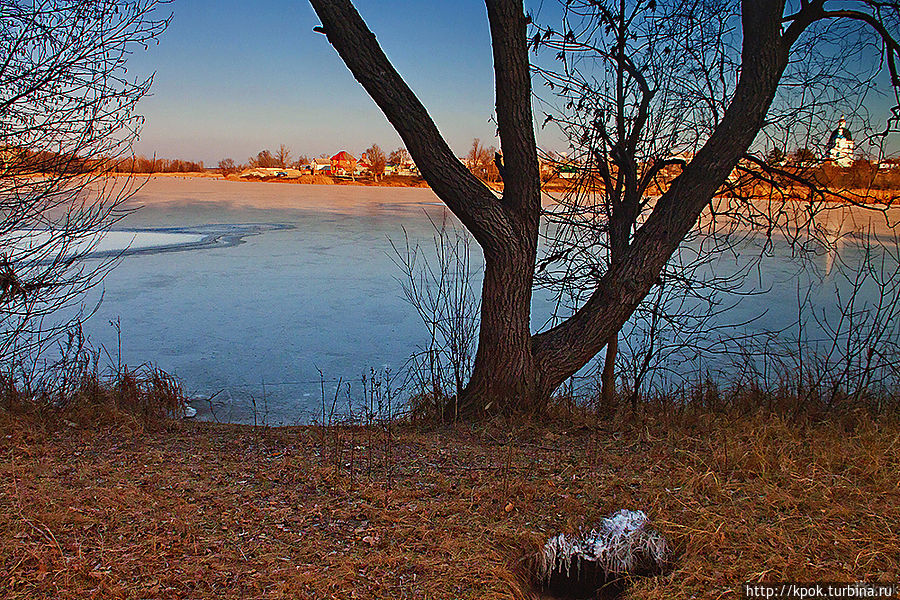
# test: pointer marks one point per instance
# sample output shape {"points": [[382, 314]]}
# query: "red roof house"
{"points": [[343, 161]]}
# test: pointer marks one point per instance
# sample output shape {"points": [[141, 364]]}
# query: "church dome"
{"points": [[841, 133]]}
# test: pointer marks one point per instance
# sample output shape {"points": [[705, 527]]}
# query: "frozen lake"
{"points": [[264, 285], [109, 243], [310, 286]]}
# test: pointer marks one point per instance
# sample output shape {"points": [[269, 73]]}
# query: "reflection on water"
{"points": [[311, 287]]}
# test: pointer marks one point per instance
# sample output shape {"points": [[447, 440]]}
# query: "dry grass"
{"points": [[195, 510], [142, 396]]}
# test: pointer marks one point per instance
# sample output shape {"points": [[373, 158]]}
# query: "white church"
{"points": [[840, 145]]}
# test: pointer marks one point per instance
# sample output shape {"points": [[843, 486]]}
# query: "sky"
{"points": [[233, 78]]}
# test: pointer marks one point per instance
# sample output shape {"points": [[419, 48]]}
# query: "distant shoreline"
{"points": [[387, 181], [393, 181], [874, 197]]}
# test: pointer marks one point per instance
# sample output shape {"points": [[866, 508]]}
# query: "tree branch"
{"points": [[563, 349], [522, 184], [467, 197], [815, 11]]}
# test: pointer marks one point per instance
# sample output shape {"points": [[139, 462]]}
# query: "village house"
{"points": [[321, 166], [405, 167], [409, 170], [343, 163]]}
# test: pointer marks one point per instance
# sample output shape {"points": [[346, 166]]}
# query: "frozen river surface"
{"points": [[272, 283], [306, 284]]}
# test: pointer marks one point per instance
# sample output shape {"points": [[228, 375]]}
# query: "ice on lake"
{"points": [[246, 291], [94, 243]]}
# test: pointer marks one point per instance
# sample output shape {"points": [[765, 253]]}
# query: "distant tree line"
{"points": [[20, 161], [142, 164], [26, 162], [282, 159], [861, 174], [265, 159]]}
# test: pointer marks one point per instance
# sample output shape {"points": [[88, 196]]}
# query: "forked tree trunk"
{"points": [[505, 377], [514, 370]]}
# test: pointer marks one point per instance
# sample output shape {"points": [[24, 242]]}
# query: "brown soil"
{"points": [[195, 510], [303, 179]]}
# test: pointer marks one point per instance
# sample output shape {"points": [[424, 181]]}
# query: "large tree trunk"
{"points": [[504, 376], [515, 371]]}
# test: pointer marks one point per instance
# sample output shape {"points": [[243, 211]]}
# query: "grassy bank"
{"points": [[196, 510]]}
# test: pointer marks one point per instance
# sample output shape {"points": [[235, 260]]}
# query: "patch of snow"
{"points": [[623, 544]]}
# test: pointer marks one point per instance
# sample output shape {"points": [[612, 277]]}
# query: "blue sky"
{"points": [[235, 77]]}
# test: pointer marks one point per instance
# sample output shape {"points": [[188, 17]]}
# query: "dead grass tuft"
{"points": [[144, 396]]}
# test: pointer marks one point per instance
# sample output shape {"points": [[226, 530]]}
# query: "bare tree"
{"points": [[283, 156], [399, 157], [481, 161], [757, 47], [66, 119], [440, 288], [264, 160], [376, 159], [227, 166]]}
